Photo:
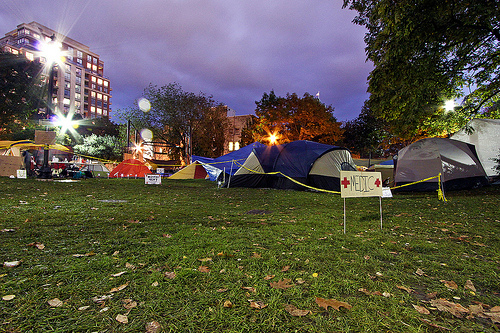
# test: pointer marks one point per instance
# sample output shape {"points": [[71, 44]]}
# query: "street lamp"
{"points": [[52, 53]]}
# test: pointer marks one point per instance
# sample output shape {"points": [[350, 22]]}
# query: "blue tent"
{"points": [[310, 163], [228, 163]]}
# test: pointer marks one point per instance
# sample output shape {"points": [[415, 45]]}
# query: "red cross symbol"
{"points": [[377, 182], [345, 182]]}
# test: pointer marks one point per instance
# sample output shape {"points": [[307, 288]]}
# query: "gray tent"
{"points": [[457, 162], [485, 136]]}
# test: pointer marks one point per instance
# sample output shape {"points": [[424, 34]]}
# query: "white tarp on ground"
{"points": [[486, 138]]}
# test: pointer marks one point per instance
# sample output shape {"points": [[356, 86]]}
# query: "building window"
{"points": [[68, 68], [230, 148], [79, 54], [30, 56], [78, 72]]}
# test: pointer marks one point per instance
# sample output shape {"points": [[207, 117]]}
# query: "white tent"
{"points": [[456, 161], [485, 137]]}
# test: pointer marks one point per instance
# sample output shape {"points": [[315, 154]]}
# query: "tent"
{"points": [[228, 163], [313, 164], [485, 136], [456, 161], [192, 171], [130, 168], [96, 169], [386, 169]]}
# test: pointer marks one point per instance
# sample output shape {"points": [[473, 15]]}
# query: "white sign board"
{"points": [[21, 174], [152, 179], [160, 170], [360, 184]]}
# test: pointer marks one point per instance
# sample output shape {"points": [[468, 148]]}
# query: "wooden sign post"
{"points": [[355, 184]]}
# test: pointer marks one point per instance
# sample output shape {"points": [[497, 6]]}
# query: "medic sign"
{"points": [[360, 184]]}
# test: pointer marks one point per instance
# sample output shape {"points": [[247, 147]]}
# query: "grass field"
{"points": [[103, 255]]}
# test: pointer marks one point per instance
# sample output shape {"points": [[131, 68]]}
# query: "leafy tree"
{"points": [[293, 118], [106, 147], [21, 90], [175, 116], [427, 51], [365, 134]]}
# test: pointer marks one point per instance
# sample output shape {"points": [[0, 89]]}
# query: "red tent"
{"points": [[130, 168]]}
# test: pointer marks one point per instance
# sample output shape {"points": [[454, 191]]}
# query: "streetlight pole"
{"points": [[45, 171]]}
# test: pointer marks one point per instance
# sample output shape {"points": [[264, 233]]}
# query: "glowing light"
{"points": [[449, 105], [66, 124], [144, 104], [273, 139], [146, 134], [52, 52]]}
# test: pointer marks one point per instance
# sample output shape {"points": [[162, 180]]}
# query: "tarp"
{"points": [[228, 163], [192, 171], [130, 168], [485, 136], [313, 164], [28, 144], [457, 162]]}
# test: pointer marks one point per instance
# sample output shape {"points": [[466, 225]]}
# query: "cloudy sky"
{"points": [[234, 50]]}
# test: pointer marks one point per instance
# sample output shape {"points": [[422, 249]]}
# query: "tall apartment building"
{"points": [[79, 82]]}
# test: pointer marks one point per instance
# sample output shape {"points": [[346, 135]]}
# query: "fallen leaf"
{"points": [[494, 316], [167, 236], [291, 309], [282, 284], [121, 319], [469, 285], [101, 299], [154, 284], [82, 308], [8, 297], [325, 303], [153, 327], [251, 289], [222, 290], [450, 284], [129, 304], [446, 306], [228, 304], [256, 255], [300, 281], [119, 274], [169, 275], [370, 293], [408, 290], [205, 259], [421, 309], [285, 268], [495, 309], [56, 302], [11, 264], [419, 272], [257, 304], [115, 253], [123, 286], [129, 266], [204, 269], [269, 277]]}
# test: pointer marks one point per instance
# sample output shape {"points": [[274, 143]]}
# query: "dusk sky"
{"points": [[234, 50]]}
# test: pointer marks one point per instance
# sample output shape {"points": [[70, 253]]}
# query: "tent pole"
{"points": [[344, 217], [229, 180], [380, 200]]}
